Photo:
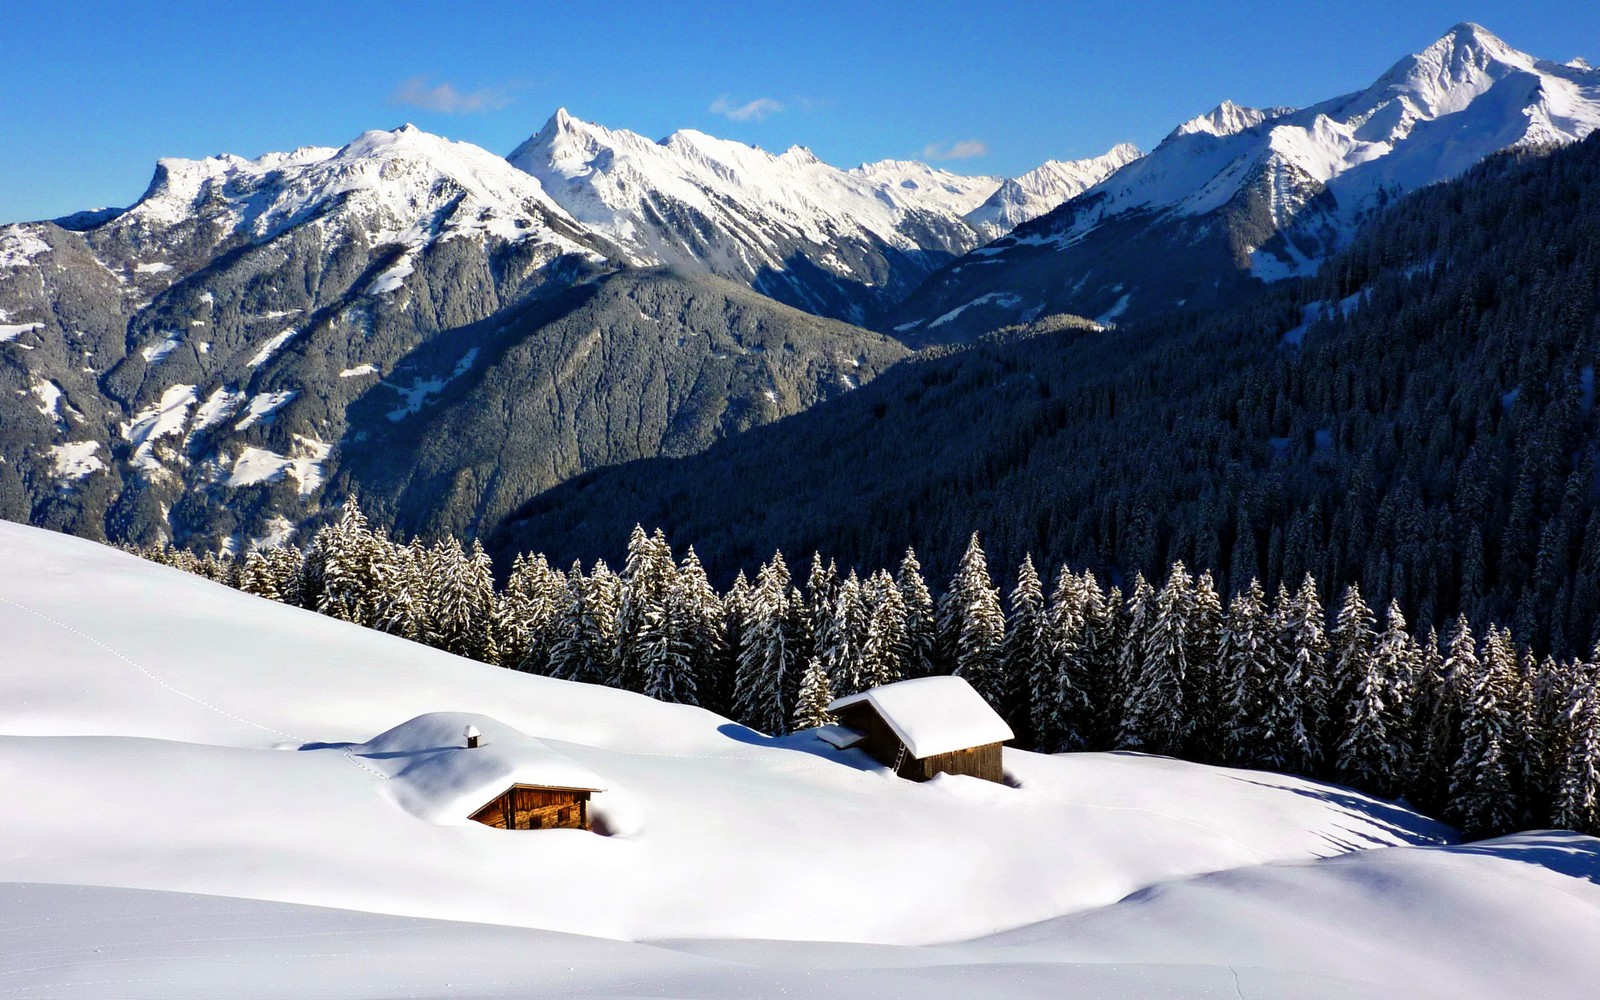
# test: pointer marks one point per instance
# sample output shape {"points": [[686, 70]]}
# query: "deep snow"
{"points": [[162, 736]]}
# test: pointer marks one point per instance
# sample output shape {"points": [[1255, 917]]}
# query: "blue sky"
{"points": [[95, 92]]}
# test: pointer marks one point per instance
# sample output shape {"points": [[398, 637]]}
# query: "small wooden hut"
{"points": [[536, 807], [923, 727]]}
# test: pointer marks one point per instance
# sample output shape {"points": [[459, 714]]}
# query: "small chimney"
{"points": [[472, 736]]}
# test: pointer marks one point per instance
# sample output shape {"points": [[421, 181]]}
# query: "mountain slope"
{"points": [[636, 364], [1241, 194], [1419, 419]]}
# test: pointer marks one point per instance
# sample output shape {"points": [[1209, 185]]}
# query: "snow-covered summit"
{"points": [[1227, 118], [403, 185], [1030, 195], [1428, 118]]}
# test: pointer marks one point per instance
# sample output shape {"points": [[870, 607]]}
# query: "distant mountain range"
{"points": [[450, 331], [1241, 196]]}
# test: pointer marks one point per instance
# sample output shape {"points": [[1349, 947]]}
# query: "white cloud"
{"points": [[446, 99], [750, 111], [965, 149]]}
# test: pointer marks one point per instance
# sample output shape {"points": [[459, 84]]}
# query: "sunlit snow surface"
{"points": [[164, 736]]}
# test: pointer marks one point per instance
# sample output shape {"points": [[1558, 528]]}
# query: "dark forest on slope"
{"points": [[1431, 437]]}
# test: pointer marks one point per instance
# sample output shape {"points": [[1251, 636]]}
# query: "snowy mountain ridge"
{"points": [[1026, 197], [1241, 192]]}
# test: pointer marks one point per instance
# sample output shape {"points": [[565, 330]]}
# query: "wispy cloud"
{"points": [[750, 111], [963, 150], [446, 99]]}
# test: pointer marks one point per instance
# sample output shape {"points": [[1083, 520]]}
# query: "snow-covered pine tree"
{"points": [[1154, 716], [1138, 615], [766, 656], [586, 645], [1029, 663], [646, 580], [1103, 631], [971, 625], [1350, 650], [1483, 798], [811, 707], [1435, 705], [1371, 753], [1303, 640], [536, 595], [886, 655], [841, 639], [257, 576], [718, 693], [1204, 690], [1057, 677], [1257, 718], [816, 610], [1577, 776], [344, 554], [696, 603], [402, 604], [921, 624], [666, 652]]}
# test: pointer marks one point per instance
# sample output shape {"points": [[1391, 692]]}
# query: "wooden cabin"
{"points": [[452, 767], [923, 727], [535, 807]]}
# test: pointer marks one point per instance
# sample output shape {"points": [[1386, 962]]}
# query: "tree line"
{"points": [[1468, 725]]}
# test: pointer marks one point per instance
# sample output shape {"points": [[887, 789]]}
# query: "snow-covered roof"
{"points": [[934, 715], [434, 775]]}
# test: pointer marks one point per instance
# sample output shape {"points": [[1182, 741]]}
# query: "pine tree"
{"points": [[811, 708], [1205, 691], [646, 580], [586, 643], [1350, 650], [402, 604], [1303, 643], [1372, 752], [886, 655], [1577, 778], [1258, 719], [1154, 716], [841, 639], [1029, 663], [971, 626], [766, 654], [258, 578], [696, 603], [921, 626], [1138, 617], [1482, 796]]}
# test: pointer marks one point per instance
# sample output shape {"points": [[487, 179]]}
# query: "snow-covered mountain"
{"points": [[1055, 182], [842, 243], [838, 243], [204, 361], [1240, 192], [252, 835]]}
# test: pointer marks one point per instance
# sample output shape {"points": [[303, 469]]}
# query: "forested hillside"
{"points": [[1417, 419]]}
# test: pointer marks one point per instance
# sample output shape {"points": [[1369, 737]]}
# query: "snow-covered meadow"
{"points": [[193, 800]]}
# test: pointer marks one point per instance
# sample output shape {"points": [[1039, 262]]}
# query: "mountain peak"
{"points": [[1226, 118]]}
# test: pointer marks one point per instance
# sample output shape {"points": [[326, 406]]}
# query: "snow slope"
{"points": [[227, 747]]}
